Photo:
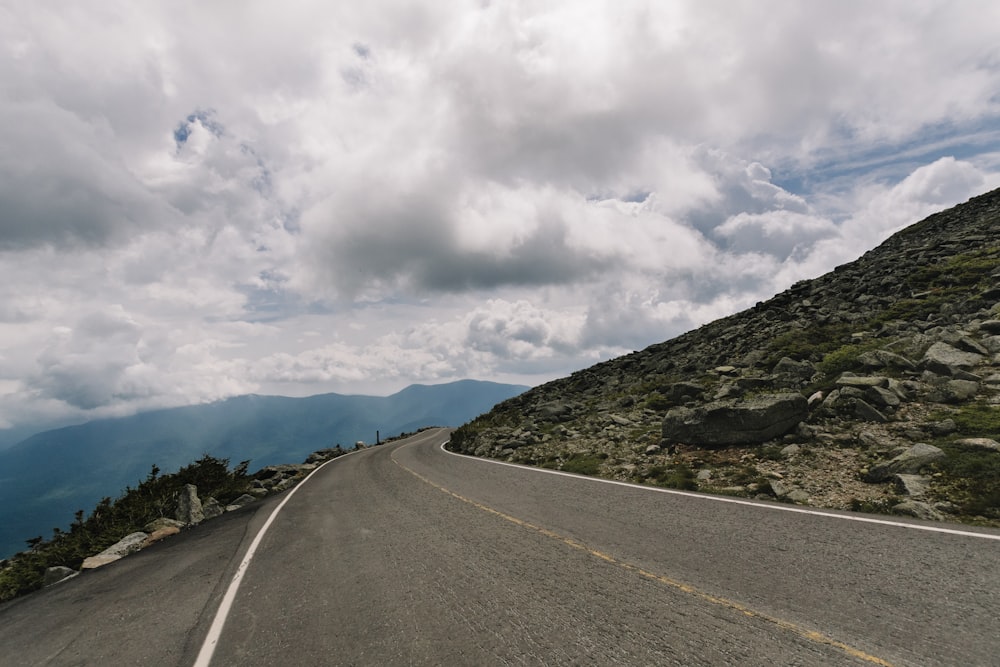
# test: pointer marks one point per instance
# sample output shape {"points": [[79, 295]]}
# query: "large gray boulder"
{"points": [[944, 359], [908, 463], [751, 421], [123, 547], [211, 508], [189, 508]]}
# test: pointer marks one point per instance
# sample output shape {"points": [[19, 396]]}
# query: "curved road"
{"points": [[408, 555]]}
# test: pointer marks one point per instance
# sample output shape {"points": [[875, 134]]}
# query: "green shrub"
{"points": [[676, 476], [109, 521], [583, 463], [973, 475]]}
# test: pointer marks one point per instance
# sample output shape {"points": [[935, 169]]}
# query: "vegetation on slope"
{"points": [[154, 497]]}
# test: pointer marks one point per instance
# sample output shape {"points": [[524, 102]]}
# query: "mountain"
{"points": [[875, 387], [47, 477]]}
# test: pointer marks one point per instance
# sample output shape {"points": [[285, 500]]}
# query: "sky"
{"points": [[200, 200]]}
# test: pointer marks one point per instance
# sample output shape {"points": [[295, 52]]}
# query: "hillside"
{"points": [[874, 387], [51, 475]]}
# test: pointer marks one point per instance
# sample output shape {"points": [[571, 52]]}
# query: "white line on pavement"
{"points": [[735, 501], [215, 632]]}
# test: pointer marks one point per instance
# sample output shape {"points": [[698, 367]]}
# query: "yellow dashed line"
{"points": [[811, 635]]}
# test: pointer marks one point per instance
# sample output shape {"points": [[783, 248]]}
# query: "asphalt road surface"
{"points": [[405, 554]]}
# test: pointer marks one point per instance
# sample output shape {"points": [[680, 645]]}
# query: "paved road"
{"points": [[407, 555]]}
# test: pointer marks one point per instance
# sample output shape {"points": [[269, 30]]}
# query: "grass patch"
{"points": [[583, 463], [978, 420], [973, 476], [675, 476]]}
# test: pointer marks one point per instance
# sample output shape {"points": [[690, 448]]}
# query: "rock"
{"points": [[128, 544], [992, 343], [862, 381], [959, 391], [162, 522], [779, 488], [681, 392], [123, 547], [211, 508], [755, 420], [189, 506], [866, 412], [817, 397], [979, 443], [797, 496], [790, 450], [94, 562], [943, 427], [882, 397], [967, 344], [321, 455], [990, 326], [160, 534], [554, 412], [908, 463], [242, 501], [915, 486], [918, 509], [704, 475], [57, 573], [802, 370], [886, 359], [652, 449], [944, 359]]}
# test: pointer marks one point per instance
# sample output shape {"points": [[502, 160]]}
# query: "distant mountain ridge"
{"points": [[47, 477]]}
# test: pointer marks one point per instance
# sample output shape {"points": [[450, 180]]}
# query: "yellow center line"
{"points": [[811, 635]]}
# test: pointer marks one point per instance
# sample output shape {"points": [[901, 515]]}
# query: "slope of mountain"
{"points": [[873, 387], [49, 476]]}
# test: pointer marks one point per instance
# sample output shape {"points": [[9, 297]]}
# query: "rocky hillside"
{"points": [[875, 387]]}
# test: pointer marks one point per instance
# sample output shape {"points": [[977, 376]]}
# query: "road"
{"points": [[405, 554]]}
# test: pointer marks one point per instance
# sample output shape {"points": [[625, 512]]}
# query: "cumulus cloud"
{"points": [[346, 197]]}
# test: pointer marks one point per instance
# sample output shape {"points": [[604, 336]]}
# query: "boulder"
{"points": [[242, 501], [979, 443], [959, 391], [944, 359], [915, 486], [750, 421], [866, 412], [162, 522], [189, 506], [681, 392], [211, 508], [802, 370], [862, 381], [918, 509], [123, 547], [554, 412], [882, 397], [886, 359], [908, 463], [128, 544], [160, 534], [94, 562]]}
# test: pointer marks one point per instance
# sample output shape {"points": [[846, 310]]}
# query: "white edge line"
{"points": [[725, 499], [215, 632]]}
